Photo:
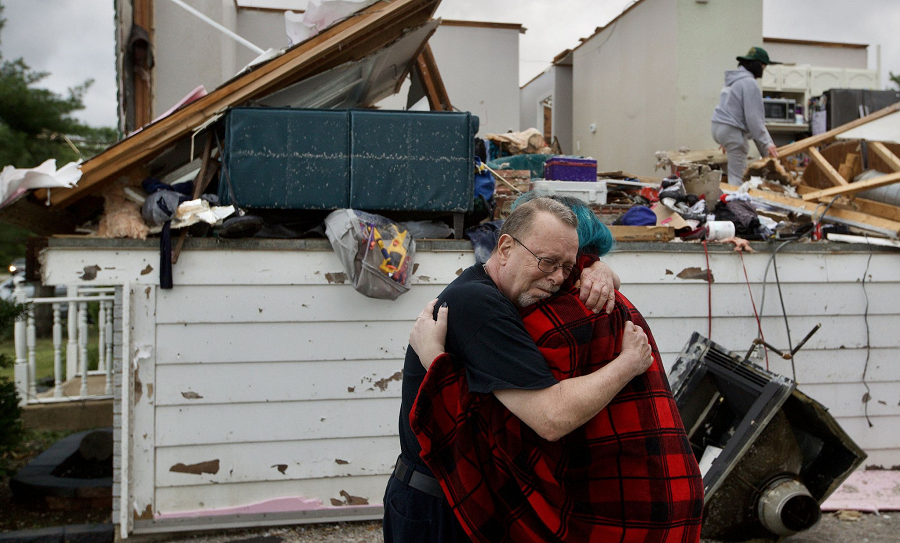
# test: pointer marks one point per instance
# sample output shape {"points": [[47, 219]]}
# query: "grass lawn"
{"points": [[43, 354]]}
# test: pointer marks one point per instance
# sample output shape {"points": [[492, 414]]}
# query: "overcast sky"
{"points": [[74, 39]]}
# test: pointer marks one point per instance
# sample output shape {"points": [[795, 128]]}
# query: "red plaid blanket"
{"points": [[626, 475]]}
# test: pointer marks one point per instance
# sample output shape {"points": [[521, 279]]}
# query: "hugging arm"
{"points": [[555, 411]]}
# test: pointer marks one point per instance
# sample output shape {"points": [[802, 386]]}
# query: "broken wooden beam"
{"points": [[871, 207], [886, 155], [843, 216], [427, 70], [833, 175], [853, 188], [825, 137]]}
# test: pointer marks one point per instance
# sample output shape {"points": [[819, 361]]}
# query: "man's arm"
{"points": [[556, 411]]}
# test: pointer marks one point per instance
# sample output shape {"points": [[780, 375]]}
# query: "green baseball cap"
{"points": [[757, 53]]}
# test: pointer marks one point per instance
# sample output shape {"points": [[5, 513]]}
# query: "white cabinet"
{"points": [[822, 79], [786, 78], [795, 78], [814, 80], [771, 79], [861, 79]]}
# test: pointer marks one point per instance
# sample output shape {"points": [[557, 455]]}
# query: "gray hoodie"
{"points": [[741, 106]]}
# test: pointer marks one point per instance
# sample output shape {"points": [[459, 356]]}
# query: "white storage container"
{"points": [[590, 192]]}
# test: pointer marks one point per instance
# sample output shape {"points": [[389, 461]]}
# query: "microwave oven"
{"points": [[780, 110]]}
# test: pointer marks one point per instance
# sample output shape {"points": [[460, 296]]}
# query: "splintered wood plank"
{"points": [[878, 209], [848, 165], [836, 178], [642, 233], [853, 188], [825, 137], [886, 155], [813, 208]]}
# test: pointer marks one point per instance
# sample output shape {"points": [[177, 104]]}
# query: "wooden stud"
{"points": [[853, 188], [848, 165], [203, 178], [836, 178], [142, 75], [427, 70], [886, 155]]}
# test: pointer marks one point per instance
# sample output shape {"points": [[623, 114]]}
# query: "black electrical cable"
{"points": [[772, 261], [784, 314], [868, 395], [783, 310]]}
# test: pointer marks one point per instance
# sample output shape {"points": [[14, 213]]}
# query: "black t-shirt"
{"points": [[485, 333]]}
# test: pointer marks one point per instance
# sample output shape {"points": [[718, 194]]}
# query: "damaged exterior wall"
{"points": [[188, 52], [853, 56], [562, 107], [257, 365], [492, 96], [555, 82], [650, 80]]}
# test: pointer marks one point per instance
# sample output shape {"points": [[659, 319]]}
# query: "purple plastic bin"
{"points": [[570, 169]]}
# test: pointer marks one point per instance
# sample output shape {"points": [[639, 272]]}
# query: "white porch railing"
{"points": [[75, 348]]}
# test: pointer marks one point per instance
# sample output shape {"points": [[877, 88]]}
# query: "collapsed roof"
{"points": [[355, 62]]}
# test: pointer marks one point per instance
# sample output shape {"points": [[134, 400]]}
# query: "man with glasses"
{"points": [[535, 255]]}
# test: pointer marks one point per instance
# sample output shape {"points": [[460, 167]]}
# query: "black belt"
{"points": [[408, 475]]}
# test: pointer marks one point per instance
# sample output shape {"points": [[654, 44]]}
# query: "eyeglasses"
{"points": [[546, 265]]}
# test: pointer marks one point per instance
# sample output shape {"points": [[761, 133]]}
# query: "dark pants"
{"points": [[411, 515]]}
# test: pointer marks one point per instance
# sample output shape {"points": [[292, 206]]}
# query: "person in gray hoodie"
{"points": [[740, 114]]}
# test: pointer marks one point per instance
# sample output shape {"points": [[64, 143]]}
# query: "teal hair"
{"points": [[593, 236]]}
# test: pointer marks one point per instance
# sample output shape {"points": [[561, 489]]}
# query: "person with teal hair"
{"points": [[594, 237]]}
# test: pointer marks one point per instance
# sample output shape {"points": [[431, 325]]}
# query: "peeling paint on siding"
{"points": [[191, 395], [670, 272], [349, 500], [281, 468], [339, 278], [340, 462], [211, 466], [90, 272], [382, 384], [696, 273], [147, 292], [146, 515], [149, 392], [147, 270], [459, 272], [415, 267], [351, 389], [138, 385]]}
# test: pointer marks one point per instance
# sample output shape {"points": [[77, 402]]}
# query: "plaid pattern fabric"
{"points": [[627, 475]]}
